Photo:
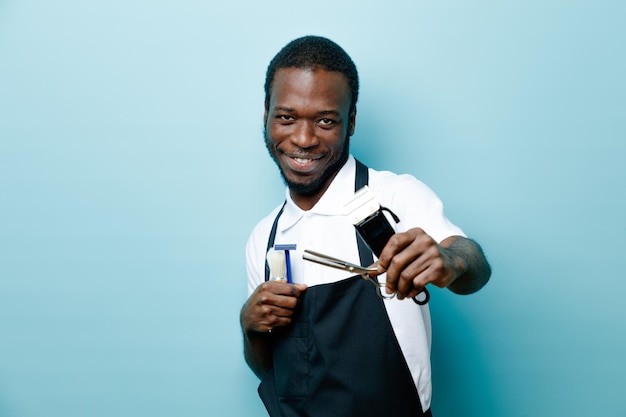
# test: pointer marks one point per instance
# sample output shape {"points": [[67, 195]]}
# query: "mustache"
{"points": [[297, 152]]}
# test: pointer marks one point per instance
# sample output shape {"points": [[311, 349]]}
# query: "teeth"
{"points": [[302, 160]]}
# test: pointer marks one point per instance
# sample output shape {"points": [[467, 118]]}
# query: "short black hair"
{"points": [[313, 52]]}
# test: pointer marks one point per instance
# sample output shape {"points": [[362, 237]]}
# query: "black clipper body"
{"points": [[369, 219]]}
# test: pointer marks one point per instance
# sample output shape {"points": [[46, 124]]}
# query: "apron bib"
{"points": [[339, 356]]}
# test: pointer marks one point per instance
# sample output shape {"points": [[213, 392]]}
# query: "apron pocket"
{"points": [[291, 363]]}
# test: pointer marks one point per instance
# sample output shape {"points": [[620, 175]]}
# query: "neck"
{"points": [[307, 201]]}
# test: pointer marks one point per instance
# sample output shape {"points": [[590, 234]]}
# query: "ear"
{"points": [[265, 117], [352, 122]]}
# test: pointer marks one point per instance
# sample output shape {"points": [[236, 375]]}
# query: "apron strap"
{"points": [[270, 241], [362, 179]]}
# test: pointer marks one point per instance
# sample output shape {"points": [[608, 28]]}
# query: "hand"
{"points": [[413, 259], [271, 305]]}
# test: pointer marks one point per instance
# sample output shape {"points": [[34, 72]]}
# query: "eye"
{"points": [[284, 117], [326, 122]]}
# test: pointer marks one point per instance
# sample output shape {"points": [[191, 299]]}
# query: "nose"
{"points": [[304, 135]]}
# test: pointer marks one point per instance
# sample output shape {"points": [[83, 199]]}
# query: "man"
{"points": [[326, 344]]}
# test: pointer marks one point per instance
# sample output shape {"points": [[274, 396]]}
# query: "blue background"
{"points": [[132, 170]]}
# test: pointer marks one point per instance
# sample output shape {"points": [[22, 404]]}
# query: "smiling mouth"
{"points": [[302, 164], [302, 160]]}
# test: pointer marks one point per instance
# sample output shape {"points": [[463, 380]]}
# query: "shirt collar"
{"points": [[330, 204]]}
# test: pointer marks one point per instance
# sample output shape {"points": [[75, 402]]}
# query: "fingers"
{"points": [[402, 259], [412, 260], [271, 305]]}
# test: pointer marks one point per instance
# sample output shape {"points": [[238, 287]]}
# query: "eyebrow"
{"points": [[328, 113], [283, 108], [320, 113]]}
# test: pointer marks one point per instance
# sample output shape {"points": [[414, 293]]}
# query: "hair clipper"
{"points": [[368, 217]]}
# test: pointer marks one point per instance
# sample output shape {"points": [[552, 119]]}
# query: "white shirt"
{"points": [[324, 228]]}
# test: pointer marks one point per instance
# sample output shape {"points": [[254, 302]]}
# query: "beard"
{"points": [[314, 186]]}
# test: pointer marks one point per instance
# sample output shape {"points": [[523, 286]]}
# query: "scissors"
{"points": [[421, 298]]}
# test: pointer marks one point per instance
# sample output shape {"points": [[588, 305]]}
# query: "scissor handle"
{"points": [[382, 294], [422, 297], [379, 287]]}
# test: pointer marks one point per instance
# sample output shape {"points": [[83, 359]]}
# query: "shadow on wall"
{"points": [[462, 384]]}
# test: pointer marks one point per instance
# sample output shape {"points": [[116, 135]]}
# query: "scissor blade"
{"points": [[326, 260]]}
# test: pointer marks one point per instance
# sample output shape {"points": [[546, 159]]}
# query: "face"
{"points": [[307, 129]]}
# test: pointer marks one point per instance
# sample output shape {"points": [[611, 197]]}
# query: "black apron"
{"points": [[339, 356]]}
